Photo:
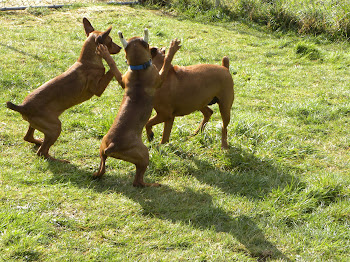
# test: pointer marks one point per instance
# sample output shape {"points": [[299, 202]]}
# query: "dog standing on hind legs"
{"points": [[80, 82], [191, 88], [124, 138]]}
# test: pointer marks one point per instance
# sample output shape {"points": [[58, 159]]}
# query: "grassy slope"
{"points": [[280, 192]]}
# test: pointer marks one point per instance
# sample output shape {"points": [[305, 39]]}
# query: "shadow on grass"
{"points": [[243, 173], [21, 52], [198, 210], [195, 208]]}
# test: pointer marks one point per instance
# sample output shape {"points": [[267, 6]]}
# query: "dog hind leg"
{"points": [[29, 137], [52, 129], [138, 155], [102, 168], [168, 125], [225, 105], [158, 118], [207, 112], [225, 114]]}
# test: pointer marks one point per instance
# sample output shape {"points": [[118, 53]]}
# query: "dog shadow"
{"points": [[189, 206], [243, 174], [199, 210]]}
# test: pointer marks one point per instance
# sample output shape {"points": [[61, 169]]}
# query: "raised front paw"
{"points": [[174, 46], [102, 51]]}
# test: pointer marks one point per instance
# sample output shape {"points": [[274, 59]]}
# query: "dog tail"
{"points": [[226, 62], [15, 107]]}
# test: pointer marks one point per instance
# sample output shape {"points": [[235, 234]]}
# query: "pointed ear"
{"points": [[122, 39], [154, 51], [101, 38], [87, 26], [145, 35], [106, 33]]}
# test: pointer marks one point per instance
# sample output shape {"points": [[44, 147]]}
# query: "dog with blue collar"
{"points": [[124, 138], [141, 67]]}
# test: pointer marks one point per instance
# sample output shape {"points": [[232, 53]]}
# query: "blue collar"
{"points": [[141, 67]]}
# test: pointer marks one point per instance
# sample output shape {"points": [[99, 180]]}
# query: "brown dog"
{"points": [[80, 82], [190, 88], [124, 138]]}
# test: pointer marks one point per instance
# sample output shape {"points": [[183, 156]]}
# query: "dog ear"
{"points": [[145, 35], [122, 39], [101, 38], [87, 26], [154, 51], [163, 50]]}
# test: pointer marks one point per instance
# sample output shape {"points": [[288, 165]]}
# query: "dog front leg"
{"points": [[174, 47], [102, 51], [115, 71], [103, 83]]}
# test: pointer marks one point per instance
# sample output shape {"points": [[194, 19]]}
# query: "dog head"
{"points": [[136, 48], [101, 37], [158, 56]]}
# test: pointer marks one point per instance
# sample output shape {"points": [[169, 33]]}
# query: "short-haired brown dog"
{"points": [[124, 138], [80, 82], [190, 88]]}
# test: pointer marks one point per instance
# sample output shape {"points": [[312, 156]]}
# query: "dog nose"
{"points": [[115, 49]]}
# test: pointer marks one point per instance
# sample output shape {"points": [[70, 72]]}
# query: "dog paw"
{"points": [[102, 51], [175, 45], [150, 136], [224, 147], [96, 175], [37, 142], [50, 158]]}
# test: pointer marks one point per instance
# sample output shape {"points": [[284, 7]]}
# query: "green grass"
{"points": [[280, 193]]}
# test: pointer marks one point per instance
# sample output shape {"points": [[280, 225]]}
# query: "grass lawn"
{"points": [[280, 193]]}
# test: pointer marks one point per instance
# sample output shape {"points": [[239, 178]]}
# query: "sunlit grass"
{"points": [[280, 193]]}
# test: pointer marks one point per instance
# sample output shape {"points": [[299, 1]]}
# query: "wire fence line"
{"points": [[21, 4]]}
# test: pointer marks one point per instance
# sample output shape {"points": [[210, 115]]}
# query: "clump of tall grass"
{"points": [[328, 17], [308, 50], [202, 10]]}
